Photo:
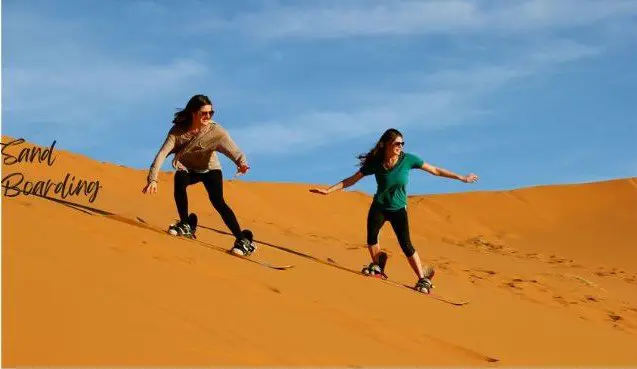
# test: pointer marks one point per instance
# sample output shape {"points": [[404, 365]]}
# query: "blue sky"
{"points": [[521, 93]]}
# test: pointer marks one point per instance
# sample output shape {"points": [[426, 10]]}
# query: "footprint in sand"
{"points": [[630, 279], [554, 259], [521, 284], [474, 278], [441, 263], [563, 301], [590, 298], [512, 284], [615, 272], [476, 275], [486, 245]]}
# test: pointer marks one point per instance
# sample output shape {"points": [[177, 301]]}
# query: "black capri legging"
{"points": [[399, 222], [213, 182]]}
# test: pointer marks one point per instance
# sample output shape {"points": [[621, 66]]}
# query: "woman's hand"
{"points": [[347, 182], [471, 178], [320, 191], [150, 188], [242, 169]]}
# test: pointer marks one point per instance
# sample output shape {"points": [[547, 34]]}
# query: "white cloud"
{"points": [[558, 14], [483, 77], [71, 79], [315, 129], [445, 101], [538, 58], [69, 89], [335, 21], [367, 18], [56, 72], [561, 51]]}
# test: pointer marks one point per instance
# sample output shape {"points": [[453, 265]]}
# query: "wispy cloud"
{"points": [[59, 82], [490, 76], [61, 73], [373, 18], [85, 106], [446, 101], [70, 86], [314, 129], [560, 51]]}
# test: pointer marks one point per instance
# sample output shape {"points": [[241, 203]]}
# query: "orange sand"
{"points": [[551, 273]]}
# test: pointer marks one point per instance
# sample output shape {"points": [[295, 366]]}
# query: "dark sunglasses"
{"points": [[211, 113], [401, 144]]}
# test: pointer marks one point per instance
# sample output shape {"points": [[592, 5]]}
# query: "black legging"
{"points": [[213, 181], [399, 222]]}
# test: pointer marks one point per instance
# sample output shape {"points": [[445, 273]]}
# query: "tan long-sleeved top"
{"points": [[197, 150]]}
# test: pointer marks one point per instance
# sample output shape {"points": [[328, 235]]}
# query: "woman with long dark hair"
{"points": [[391, 166], [194, 139]]}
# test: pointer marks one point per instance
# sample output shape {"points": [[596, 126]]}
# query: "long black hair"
{"points": [[376, 154], [184, 116]]}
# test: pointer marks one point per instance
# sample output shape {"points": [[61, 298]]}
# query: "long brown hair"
{"points": [[376, 154], [184, 116]]}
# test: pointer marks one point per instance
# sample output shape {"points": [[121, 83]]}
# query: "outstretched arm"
{"points": [[151, 179], [347, 182], [441, 172], [229, 148]]}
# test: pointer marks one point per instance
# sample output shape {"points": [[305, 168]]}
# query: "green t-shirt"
{"points": [[391, 193]]}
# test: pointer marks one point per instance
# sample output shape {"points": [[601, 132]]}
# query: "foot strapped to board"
{"points": [[377, 269], [244, 246]]}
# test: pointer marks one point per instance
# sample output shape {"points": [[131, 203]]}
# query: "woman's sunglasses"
{"points": [[211, 113], [401, 143]]}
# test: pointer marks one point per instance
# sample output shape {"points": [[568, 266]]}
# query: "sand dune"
{"points": [[550, 273]]}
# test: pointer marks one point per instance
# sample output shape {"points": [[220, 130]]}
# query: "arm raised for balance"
{"points": [[441, 172], [347, 182]]}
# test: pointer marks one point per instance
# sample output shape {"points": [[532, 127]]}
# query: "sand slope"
{"points": [[551, 273]]}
